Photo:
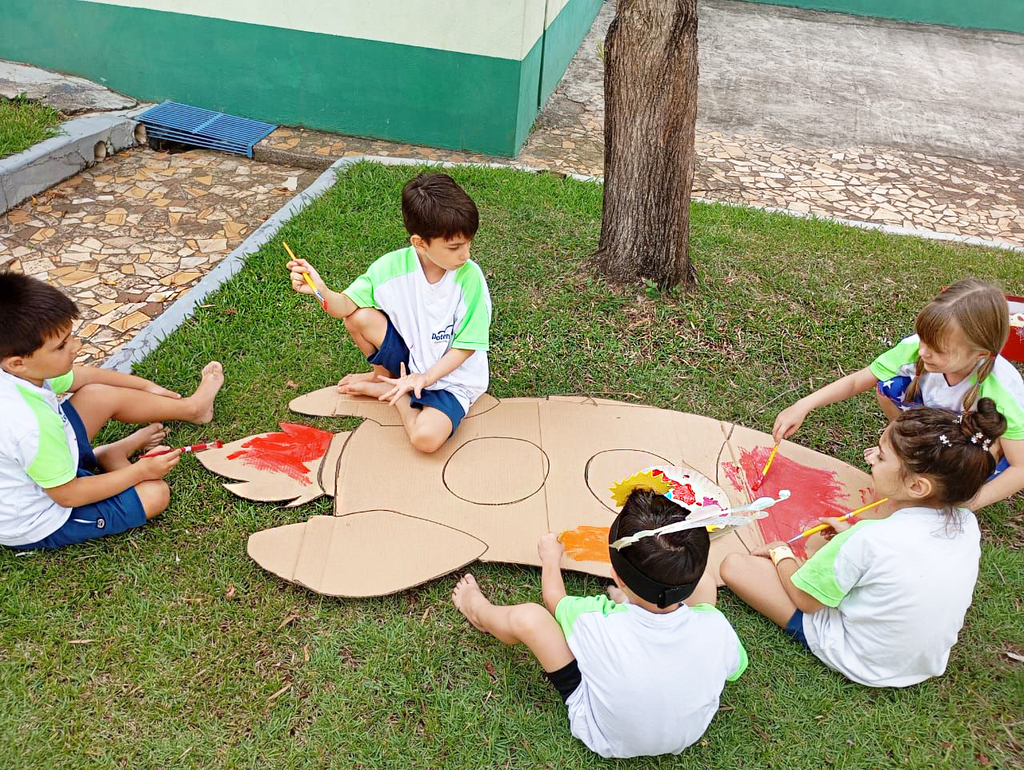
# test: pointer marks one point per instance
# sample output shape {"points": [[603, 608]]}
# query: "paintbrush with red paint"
{"points": [[187, 449], [764, 471]]}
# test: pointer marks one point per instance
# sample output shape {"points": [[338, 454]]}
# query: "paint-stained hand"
{"points": [[300, 267], [405, 383], [788, 422], [550, 549]]}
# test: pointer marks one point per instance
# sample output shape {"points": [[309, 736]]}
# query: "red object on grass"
{"points": [[1014, 348]]}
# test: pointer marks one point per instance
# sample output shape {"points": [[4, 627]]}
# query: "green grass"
{"points": [[24, 123], [180, 676]]}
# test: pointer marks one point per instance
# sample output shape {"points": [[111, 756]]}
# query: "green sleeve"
{"points": [[888, 365], [744, 659], [1009, 406], [53, 464], [817, 576], [474, 333], [392, 265], [63, 383], [570, 608]]}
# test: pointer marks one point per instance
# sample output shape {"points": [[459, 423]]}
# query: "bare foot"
{"points": [[366, 388], [115, 455], [468, 599], [202, 399], [350, 379], [617, 595]]}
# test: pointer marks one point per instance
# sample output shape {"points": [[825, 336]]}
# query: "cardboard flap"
{"points": [[370, 553], [328, 402]]}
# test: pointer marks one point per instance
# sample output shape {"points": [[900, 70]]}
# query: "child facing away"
{"points": [[641, 677], [883, 601], [55, 488], [951, 362], [421, 314]]}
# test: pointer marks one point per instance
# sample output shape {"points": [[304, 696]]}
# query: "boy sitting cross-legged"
{"points": [[421, 314], [641, 677], [55, 489]]}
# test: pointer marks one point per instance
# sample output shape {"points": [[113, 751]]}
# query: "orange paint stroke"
{"points": [[586, 544]]}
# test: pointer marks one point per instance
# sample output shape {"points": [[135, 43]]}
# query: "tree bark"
{"points": [[650, 91]]}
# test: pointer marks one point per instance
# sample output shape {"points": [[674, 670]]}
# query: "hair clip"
{"points": [[945, 441], [959, 418], [986, 444], [977, 437]]}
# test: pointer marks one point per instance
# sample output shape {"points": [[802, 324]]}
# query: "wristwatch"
{"points": [[781, 553]]}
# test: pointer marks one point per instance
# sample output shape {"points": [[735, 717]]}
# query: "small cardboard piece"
{"points": [[513, 471]]}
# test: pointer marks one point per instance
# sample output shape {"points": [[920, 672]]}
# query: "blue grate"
{"points": [[203, 128]]}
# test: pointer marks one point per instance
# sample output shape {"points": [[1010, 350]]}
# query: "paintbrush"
{"points": [[844, 517], [187, 449], [316, 291], [767, 465]]}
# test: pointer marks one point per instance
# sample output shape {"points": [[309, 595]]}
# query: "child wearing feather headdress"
{"points": [[638, 678]]}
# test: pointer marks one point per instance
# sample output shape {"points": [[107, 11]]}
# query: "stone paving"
{"points": [[870, 184], [126, 237]]}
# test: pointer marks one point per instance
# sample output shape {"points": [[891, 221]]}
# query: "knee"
{"points": [[527, 620], [363, 320], [93, 390], [730, 567], [155, 496], [426, 441]]}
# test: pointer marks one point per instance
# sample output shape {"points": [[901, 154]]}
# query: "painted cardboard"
{"points": [[514, 470]]}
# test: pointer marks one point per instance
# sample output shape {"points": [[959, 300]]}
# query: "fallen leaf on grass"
{"points": [[491, 671], [230, 593], [291, 384], [1015, 656], [423, 617], [305, 653], [82, 641], [292, 616]]}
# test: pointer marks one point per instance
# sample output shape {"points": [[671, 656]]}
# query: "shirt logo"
{"points": [[444, 335]]}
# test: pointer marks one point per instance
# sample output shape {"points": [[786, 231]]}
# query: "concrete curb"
{"points": [[149, 338], [81, 143]]}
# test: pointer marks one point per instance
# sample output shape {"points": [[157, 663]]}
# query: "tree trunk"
{"points": [[650, 93]]}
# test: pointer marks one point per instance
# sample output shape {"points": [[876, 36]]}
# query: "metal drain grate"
{"points": [[203, 128]]}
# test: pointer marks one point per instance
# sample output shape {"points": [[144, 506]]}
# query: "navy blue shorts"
{"points": [[393, 352], [566, 679], [112, 516], [795, 628]]}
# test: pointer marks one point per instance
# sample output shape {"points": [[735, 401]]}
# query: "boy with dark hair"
{"points": [[50, 494], [421, 314], [638, 678]]}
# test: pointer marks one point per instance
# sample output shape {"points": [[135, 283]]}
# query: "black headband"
{"points": [[650, 590]]}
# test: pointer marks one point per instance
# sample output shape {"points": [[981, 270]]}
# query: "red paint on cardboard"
{"points": [[285, 452]]}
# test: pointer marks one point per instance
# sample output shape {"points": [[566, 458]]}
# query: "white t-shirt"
{"points": [[650, 682], [37, 450], [896, 591], [1003, 385], [432, 318]]}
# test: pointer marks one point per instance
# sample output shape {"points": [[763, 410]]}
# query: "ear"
{"points": [[617, 580], [417, 242], [921, 487], [13, 365]]}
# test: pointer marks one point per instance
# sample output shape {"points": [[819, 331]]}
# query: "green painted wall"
{"points": [[562, 40], [349, 85], [1005, 15]]}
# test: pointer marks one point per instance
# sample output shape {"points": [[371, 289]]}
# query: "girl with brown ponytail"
{"points": [[951, 362], [882, 601]]}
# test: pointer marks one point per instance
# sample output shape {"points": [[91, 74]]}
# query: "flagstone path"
{"points": [[126, 237]]}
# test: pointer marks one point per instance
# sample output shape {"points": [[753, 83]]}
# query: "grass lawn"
{"points": [[24, 123], [129, 653]]}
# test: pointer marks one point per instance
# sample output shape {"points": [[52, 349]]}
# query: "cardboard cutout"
{"points": [[514, 470]]}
